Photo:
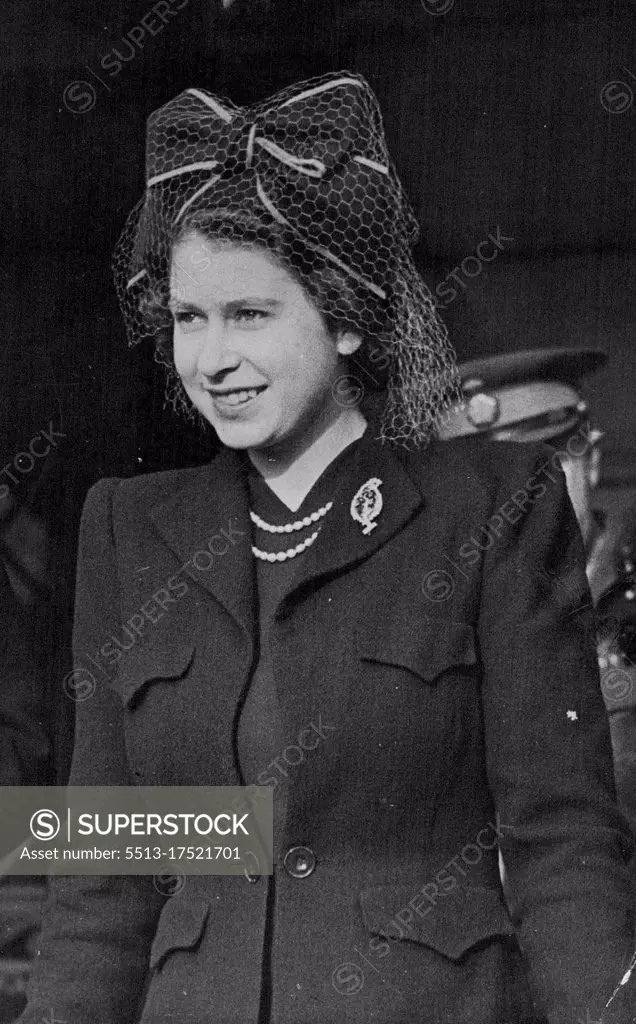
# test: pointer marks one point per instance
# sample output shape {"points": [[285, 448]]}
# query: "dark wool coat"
{"points": [[454, 689], [25, 750]]}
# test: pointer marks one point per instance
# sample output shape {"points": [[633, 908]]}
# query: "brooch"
{"points": [[367, 504]]}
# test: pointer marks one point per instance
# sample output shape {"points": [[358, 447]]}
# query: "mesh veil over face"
{"points": [[305, 174]]}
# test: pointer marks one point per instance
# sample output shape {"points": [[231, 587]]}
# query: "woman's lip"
{"points": [[234, 391], [221, 399]]}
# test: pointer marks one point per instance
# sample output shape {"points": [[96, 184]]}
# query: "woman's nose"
{"points": [[216, 355]]}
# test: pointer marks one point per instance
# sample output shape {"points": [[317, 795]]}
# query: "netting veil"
{"points": [[307, 174]]}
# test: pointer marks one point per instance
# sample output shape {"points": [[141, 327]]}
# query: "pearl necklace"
{"points": [[291, 527], [281, 556]]}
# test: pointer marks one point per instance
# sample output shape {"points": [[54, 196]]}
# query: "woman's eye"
{"points": [[250, 316], [187, 319]]}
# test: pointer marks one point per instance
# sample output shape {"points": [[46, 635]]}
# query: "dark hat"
{"points": [[307, 175], [532, 395]]}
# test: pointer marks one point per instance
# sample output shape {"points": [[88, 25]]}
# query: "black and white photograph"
{"points": [[318, 512]]}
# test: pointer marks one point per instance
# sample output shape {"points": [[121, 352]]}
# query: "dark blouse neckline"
{"points": [[269, 506]]}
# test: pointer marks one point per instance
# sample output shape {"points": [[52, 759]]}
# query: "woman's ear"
{"points": [[348, 342]]}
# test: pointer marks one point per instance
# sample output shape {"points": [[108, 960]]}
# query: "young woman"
{"points": [[342, 608]]}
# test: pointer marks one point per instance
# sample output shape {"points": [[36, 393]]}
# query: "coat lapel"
{"points": [[210, 514], [342, 542], [216, 502]]}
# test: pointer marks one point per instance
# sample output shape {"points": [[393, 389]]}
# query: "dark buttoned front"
{"points": [[438, 699], [299, 862]]}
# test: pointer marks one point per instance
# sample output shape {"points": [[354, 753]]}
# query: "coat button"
{"points": [[299, 862]]}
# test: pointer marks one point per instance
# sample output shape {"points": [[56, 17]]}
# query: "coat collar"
{"points": [[215, 505], [342, 542]]}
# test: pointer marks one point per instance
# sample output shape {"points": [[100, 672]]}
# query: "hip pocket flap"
{"points": [[455, 924], [180, 927]]}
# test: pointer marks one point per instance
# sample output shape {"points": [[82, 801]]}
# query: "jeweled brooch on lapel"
{"points": [[367, 504]]}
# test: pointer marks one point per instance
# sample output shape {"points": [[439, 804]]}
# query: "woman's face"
{"points": [[251, 349]]}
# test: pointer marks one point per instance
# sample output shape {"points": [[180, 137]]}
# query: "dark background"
{"points": [[498, 114]]}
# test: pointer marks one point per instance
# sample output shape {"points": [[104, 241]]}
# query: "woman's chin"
{"points": [[241, 435]]}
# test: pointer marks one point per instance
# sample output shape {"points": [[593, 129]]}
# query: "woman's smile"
{"points": [[230, 402]]}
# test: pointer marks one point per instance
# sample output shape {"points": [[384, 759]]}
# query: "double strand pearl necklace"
{"points": [[291, 527], [299, 524]]}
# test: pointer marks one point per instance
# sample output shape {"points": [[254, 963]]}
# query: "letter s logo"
{"points": [[44, 824], [347, 391], [79, 97], [617, 97]]}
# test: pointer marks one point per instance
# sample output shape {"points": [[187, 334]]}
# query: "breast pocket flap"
{"points": [[420, 648], [454, 924], [141, 666], [180, 927]]}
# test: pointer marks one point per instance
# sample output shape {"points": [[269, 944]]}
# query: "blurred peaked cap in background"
{"points": [[531, 395]]}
